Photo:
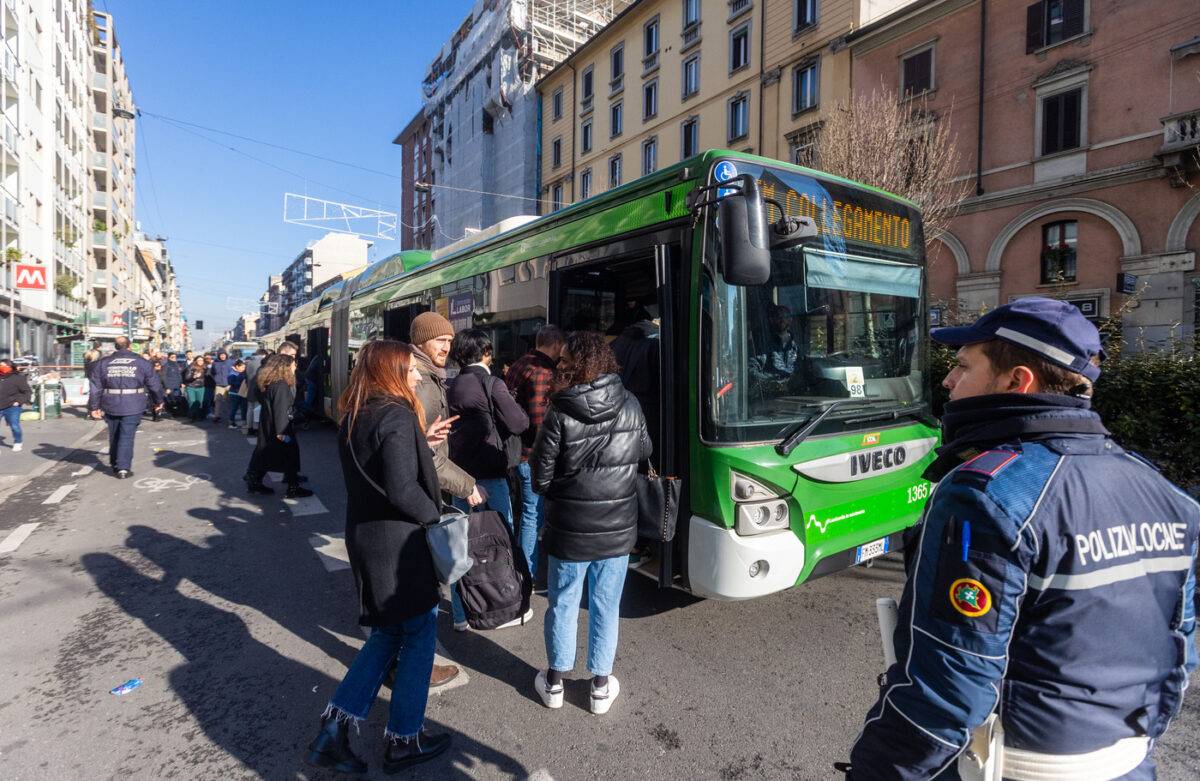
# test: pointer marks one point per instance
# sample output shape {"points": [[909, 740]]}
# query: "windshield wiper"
{"points": [[799, 431], [918, 413]]}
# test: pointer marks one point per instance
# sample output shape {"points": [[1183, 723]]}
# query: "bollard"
{"points": [[888, 614]]}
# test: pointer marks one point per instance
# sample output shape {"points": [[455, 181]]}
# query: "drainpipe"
{"points": [[537, 157], [574, 112], [982, 63], [762, 72]]}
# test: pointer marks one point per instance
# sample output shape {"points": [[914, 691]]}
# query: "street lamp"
{"points": [[123, 113]]}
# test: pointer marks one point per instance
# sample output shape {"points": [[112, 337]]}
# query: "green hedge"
{"points": [[1149, 400]]}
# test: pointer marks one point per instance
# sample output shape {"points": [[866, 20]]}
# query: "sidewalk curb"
{"points": [[22, 480]]}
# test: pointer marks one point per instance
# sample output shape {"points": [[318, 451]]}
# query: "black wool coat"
{"points": [[585, 461], [476, 441], [271, 455], [14, 389], [389, 555]]}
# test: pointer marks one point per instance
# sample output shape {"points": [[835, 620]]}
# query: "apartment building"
{"points": [[416, 203], [43, 149], [328, 258], [270, 305], [246, 328], [1078, 122], [157, 312]]}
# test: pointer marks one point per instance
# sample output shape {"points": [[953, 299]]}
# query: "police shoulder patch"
{"points": [[989, 463]]}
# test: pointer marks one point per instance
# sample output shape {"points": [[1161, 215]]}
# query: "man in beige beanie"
{"points": [[430, 335]]}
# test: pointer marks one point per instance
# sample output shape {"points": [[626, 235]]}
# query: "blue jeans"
{"points": [[207, 407], [533, 516], [236, 403], [606, 581], [121, 430], [12, 416], [411, 643], [498, 499]]}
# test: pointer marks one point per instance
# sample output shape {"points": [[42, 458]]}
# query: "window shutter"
{"points": [[1072, 18], [1035, 26], [1071, 104], [910, 75], [1051, 122]]}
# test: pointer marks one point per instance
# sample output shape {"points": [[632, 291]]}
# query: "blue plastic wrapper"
{"points": [[126, 687]]}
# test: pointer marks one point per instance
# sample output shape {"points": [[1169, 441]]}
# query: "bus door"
{"points": [[317, 344], [628, 293], [340, 362], [397, 321]]}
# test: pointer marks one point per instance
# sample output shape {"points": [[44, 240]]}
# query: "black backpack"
{"points": [[497, 588]]}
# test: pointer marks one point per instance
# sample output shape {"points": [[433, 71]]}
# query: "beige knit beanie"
{"points": [[428, 325]]}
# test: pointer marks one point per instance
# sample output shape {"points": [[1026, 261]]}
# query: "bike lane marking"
{"points": [[59, 494], [17, 536]]}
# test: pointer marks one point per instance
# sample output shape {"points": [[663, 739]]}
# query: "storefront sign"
{"points": [[462, 311]]}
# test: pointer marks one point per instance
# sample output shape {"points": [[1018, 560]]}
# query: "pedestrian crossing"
{"points": [[331, 550]]}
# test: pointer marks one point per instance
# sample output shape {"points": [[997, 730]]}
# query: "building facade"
{"points": [[246, 328], [270, 306], [329, 257], [1077, 123], [416, 200], [482, 112]]}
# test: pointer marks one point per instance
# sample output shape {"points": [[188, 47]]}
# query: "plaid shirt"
{"points": [[529, 380]]}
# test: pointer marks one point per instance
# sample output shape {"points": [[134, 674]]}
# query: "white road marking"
{"points": [[156, 484], [308, 505], [86, 469], [59, 494], [104, 450], [18, 536], [331, 549]]}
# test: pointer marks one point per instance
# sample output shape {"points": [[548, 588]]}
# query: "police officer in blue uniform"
{"points": [[1050, 581], [122, 385]]}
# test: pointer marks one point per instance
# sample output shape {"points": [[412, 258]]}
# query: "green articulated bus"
{"points": [[794, 391]]}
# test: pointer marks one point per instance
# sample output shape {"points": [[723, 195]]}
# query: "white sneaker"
{"points": [[518, 621], [602, 699], [461, 626], [552, 696], [17, 447]]}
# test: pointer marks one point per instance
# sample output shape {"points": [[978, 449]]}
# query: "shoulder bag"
{"points": [[446, 537], [658, 505], [510, 445]]}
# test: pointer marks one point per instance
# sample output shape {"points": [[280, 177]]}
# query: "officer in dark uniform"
{"points": [[1051, 578], [122, 384]]}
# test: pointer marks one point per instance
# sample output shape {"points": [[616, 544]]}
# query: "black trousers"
{"points": [[121, 431]]}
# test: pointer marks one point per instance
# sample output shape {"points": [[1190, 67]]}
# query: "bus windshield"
{"points": [[838, 319]]}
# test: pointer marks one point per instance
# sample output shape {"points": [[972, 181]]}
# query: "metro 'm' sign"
{"points": [[31, 277]]}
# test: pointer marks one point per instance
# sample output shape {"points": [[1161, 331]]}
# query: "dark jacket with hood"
{"points": [[388, 553], [14, 389], [637, 350], [172, 376], [477, 439], [585, 461]]}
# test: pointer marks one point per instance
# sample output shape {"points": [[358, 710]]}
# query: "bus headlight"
{"points": [[759, 517], [745, 489]]}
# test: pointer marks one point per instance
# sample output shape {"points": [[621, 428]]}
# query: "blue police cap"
{"points": [[1054, 330]]}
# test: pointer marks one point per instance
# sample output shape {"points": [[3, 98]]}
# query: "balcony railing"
{"points": [[1181, 131], [10, 63], [737, 6], [100, 201], [100, 121], [99, 160], [10, 208], [100, 81], [11, 135]]}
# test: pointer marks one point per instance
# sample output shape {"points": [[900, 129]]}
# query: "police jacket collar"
{"points": [[972, 425]]}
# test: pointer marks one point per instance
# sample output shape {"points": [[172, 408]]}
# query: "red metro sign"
{"points": [[31, 277]]}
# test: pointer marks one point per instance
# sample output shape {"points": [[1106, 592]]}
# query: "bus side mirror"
{"points": [[745, 248]]}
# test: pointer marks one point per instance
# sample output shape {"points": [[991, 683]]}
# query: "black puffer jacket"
{"points": [[584, 462]]}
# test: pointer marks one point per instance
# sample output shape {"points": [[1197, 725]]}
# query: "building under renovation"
{"points": [[468, 157]]}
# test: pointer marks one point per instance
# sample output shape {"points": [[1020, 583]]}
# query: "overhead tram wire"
{"points": [[162, 225]]}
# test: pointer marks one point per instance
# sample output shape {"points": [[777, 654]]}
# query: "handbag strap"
{"points": [[488, 383]]}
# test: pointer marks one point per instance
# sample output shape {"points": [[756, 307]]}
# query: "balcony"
{"points": [[99, 161], [10, 209], [11, 137], [10, 63], [100, 82], [100, 201], [736, 7], [1180, 132], [100, 121]]}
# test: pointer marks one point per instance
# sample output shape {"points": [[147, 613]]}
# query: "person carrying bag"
{"points": [[394, 522]]}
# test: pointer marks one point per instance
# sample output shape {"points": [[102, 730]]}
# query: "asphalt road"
{"points": [[239, 616]]}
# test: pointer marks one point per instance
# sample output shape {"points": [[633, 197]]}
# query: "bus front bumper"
{"points": [[722, 564]]}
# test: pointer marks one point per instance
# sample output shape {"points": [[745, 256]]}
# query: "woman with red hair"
{"points": [[392, 491]]}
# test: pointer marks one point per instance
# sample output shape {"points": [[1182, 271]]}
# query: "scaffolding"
{"points": [[559, 27]]}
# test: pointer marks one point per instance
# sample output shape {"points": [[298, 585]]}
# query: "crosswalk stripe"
{"points": [[331, 549], [306, 505], [59, 494], [18, 536]]}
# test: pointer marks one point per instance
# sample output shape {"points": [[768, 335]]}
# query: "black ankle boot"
{"points": [[422, 747], [297, 491], [331, 748]]}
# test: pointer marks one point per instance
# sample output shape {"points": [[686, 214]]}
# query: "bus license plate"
{"points": [[870, 550]]}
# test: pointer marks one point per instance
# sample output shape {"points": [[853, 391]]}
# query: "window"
{"points": [[802, 146], [614, 171], [616, 60], [1062, 121], [616, 119], [691, 76], [805, 87], [557, 104], [650, 44], [1058, 251], [556, 200], [585, 137], [689, 137], [691, 13], [1048, 22], [649, 156], [739, 117], [585, 184], [585, 89], [739, 48], [804, 14], [916, 72], [650, 99], [556, 153]]}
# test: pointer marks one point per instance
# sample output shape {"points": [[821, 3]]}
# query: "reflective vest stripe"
{"points": [[1104, 577]]}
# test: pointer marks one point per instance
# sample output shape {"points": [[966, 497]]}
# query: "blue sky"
{"points": [[331, 77]]}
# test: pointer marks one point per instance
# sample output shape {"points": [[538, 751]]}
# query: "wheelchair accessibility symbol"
{"points": [[724, 172]]}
